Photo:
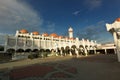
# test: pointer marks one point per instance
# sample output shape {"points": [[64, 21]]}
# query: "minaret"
{"points": [[70, 31]]}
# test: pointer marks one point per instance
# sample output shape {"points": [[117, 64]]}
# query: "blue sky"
{"points": [[86, 17]]}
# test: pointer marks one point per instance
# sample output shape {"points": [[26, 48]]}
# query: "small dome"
{"points": [[60, 36], [70, 29], [54, 35], [118, 20], [45, 34], [23, 31], [35, 33]]}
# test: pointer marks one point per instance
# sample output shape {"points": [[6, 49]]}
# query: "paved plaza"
{"points": [[92, 67]]}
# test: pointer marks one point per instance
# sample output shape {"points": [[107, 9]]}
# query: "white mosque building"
{"points": [[26, 41]]}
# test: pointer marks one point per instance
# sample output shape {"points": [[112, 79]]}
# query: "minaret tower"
{"points": [[70, 31]]}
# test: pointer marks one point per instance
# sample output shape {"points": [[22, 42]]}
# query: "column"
{"points": [[15, 45], [32, 43], [115, 37], [70, 53], [39, 42], [85, 51], [118, 54], [118, 50], [76, 51], [6, 43], [105, 51], [94, 50], [115, 51]]}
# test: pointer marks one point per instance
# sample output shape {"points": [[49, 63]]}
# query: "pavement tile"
{"points": [[95, 67]]}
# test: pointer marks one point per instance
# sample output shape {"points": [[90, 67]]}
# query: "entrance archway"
{"points": [[73, 49], [67, 49], [11, 50]]}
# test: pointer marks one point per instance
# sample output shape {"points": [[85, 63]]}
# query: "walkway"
{"points": [[94, 67]]}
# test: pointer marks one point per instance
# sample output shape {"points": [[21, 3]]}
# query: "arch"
{"points": [[95, 46], [52, 49], [11, 50], [62, 51], [20, 50], [58, 49], [48, 50], [28, 50], [35, 50], [91, 47], [42, 50], [62, 48], [81, 46], [86, 46], [91, 51], [73, 46], [67, 49]]}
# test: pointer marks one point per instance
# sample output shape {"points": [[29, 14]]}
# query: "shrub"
{"points": [[32, 56], [44, 54]]}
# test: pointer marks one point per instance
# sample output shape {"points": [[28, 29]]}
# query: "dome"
{"points": [[45, 34], [118, 20], [70, 29], [60, 36], [23, 31], [54, 35], [35, 33]]}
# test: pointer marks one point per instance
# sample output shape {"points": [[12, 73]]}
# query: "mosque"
{"points": [[34, 41]]}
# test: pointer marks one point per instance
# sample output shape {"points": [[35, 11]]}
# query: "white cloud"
{"points": [[50, 27], [16, 15], [76, 13], [96, 32], [92, 4]]}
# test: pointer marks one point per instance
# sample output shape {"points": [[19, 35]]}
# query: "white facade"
{"points": [[24, 40]]}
